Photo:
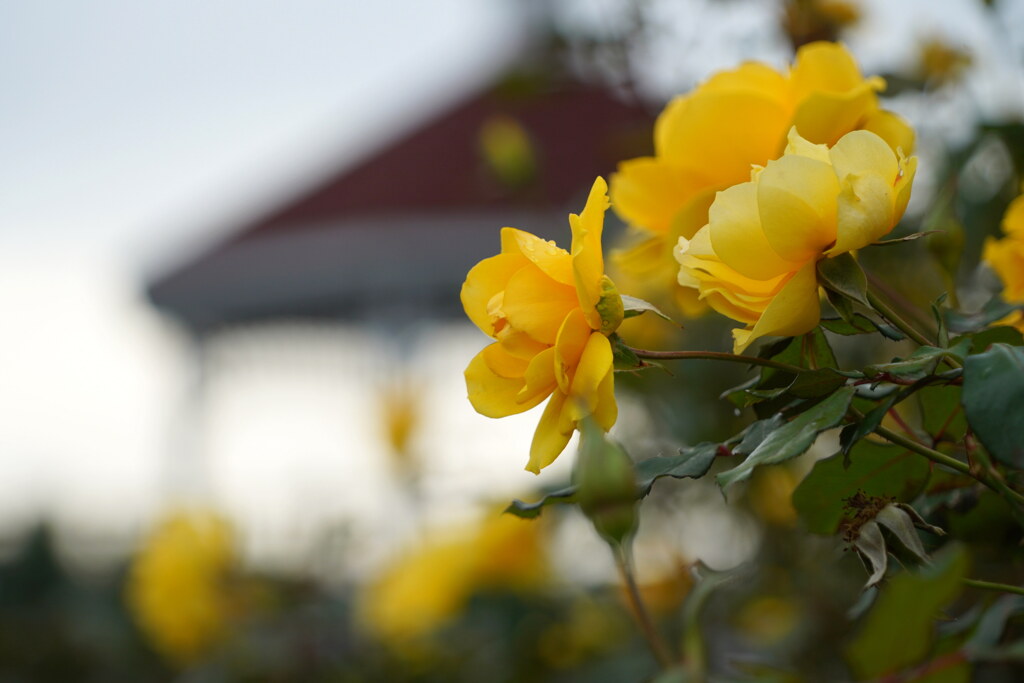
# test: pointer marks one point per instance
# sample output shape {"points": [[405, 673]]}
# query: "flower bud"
{"points": [[606, 484]]}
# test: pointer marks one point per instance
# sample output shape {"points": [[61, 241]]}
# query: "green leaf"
{"points": [[841, 305], [623, 357], [980, 341], [793, 438], [941, 414], [994, 310], [755, 433], [816, 383], [921, 362], [858, 323], [877, 470], [899, 629], [993, 399], [815, 351], [693, 462], [532, 510], [842, 274], [633, 307], [853, 433]]}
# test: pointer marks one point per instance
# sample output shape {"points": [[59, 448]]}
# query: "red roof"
{"points": [[434, 173]]}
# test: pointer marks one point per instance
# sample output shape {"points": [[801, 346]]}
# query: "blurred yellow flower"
{"points": [[755, 260], [176, 586], [1006, 256], [708, 140], [551, 313], [400, 417], [427, 588], [940, 62]]}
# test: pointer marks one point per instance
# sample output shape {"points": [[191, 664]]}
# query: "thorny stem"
{"points": [[643, 618], [717, 355], [986, 478]]}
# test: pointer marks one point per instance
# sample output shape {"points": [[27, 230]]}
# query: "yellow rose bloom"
{"points": [[428, 587], [755, 261], [550, 313], [176, 584], [1006, 257], [707, 140]]}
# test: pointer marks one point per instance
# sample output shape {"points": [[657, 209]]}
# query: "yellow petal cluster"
{"points": [[1006, 257], [176, 587], [707, 140], [755, 261], [428, 587], [550, 313]]}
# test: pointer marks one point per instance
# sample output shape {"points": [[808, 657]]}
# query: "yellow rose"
{"points": [[175, 587], [708, 140], [428, 587], [755, 260], [550, 313], [1006, 257]]}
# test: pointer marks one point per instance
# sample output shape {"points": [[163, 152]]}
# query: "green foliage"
{"points": [[921, 363], [900, 628], [993, 398], [858, 323], [633, 307], [793, 438], [693, 462], [843, 275], [877, 470]]}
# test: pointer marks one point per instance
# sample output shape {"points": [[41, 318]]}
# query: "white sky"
{"points": [[131, 131]]}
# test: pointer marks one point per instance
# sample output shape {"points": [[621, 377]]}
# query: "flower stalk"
{"points": [[717, 355], [659, 648]]}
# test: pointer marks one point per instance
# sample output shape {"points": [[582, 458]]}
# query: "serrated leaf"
{"points": [[692, 463], [921, 362], [876, 470], [843, 275], [858, 323], [793, 438], [993, 400], [899, 629], [633, 307], [756, 433], [532, 510]]}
